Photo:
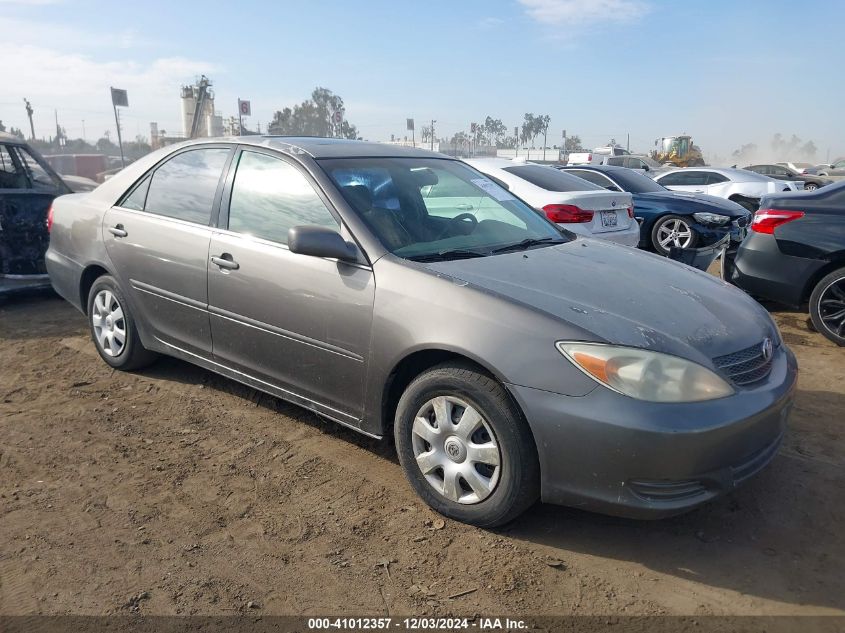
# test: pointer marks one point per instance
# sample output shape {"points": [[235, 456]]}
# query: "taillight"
{"points": [[589, 158], [767, 220], [50, 219], [567, 214], [631, 211]]}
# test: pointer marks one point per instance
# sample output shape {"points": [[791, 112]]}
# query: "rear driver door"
{"points": [[157, 238]]}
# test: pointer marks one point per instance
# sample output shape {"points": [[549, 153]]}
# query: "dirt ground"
{"points": [[175, 491]]}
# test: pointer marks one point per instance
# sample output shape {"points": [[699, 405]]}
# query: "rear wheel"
{"points": [[810, 186], [827, 306], [464, 446], [747, 203], [113, 327], [672, 231]]}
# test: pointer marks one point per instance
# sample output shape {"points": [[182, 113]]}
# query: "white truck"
{"points": [[597, 156]]}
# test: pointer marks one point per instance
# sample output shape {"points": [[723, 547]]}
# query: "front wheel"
{"points": [[827, 306], [810, 186], [113, 327], [672, 231], [464, 446]]}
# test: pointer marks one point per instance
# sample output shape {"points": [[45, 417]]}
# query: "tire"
{"points": [[665, 226], [746, 203], [827, 306], [500, 493], [810, 186], [109, 319]]}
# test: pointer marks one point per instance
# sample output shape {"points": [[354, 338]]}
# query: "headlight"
{"points": [[646, 375], [711, 218]]}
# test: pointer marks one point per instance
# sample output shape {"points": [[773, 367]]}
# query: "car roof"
{"points": [[321, 147], [315, 147], [737, 175], [610, 169], [5, 137]]}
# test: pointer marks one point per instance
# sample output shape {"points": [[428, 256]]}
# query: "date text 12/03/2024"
{"points": [[415, 624]]}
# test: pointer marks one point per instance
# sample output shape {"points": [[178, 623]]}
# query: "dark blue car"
{"points": [[670, 218]]}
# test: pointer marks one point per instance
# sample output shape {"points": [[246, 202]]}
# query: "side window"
{"points": [[136, 199], [594, 177], [694, 178], [39, 178], [714, 179], [616, 161], [673, 179], [270, 196], [184, 186], [12, 175]]}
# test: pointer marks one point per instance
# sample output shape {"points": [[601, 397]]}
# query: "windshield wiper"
{"points": [[448, 254], [528, 243]]}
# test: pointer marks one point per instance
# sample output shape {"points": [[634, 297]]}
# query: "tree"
{"points": [[495, 130], [314, 117], [460, 141], [573, 143], [526, 130], [542, 124], [425, 134]]}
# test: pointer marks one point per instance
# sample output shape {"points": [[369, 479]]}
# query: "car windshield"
{"points": [[429, 208], [551, 179], [634, 182]]}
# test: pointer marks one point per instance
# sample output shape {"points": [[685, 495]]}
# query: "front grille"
{"points": [[745, 366], [742, 222]]}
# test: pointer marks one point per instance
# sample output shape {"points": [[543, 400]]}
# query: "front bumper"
{"points": [[608, 453]]}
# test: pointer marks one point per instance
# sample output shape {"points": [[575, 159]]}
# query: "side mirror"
{"points": [[645, 167], [320, 241]]}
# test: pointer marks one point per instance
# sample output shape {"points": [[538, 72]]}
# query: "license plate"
{"points": [[608, 218]]}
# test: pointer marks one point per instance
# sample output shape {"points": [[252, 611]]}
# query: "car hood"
{"points": [[694, 201], [623, 296]]}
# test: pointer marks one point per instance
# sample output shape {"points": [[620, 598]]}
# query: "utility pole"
{"points": [[83, 129], [29, 112], [628, 144], [432, 134]]}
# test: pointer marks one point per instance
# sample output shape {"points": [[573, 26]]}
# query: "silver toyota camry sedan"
{"points": [[406, 295]]}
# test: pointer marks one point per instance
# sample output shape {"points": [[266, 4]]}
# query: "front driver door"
{"points": [[301, 324]]}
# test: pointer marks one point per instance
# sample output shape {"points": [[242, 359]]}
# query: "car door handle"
{"points": [[464, 207], [225, 261], [118, 231], [698, 190]]}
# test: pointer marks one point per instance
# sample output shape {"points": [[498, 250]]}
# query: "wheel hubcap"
{"points": [[832, 307], [456, 450], [109, 323], [675, 233]]}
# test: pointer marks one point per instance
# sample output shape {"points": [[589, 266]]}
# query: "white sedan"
{"points": [[740, 185], [569, 201]]}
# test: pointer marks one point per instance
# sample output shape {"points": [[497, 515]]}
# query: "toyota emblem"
{"points": [[768, 349]]}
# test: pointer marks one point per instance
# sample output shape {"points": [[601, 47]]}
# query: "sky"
{"points": [[728, 72]]}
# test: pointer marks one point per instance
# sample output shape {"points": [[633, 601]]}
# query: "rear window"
{"points": [[551, 179]]}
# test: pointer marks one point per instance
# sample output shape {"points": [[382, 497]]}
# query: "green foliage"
{"points": [[313, 117], [573, 143]]}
